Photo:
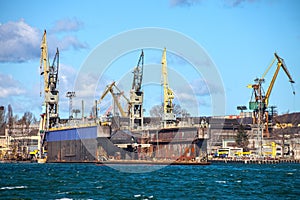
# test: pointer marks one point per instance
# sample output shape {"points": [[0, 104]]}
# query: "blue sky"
{"points": [[239, 36]]}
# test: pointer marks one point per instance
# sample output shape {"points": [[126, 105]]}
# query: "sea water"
{"points": [[90, 181]]}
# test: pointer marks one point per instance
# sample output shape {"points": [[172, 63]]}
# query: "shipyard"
{"points": [[125, 135], [150, 100]]}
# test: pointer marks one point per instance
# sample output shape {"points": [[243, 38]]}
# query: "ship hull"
{"points": [[101, 144]]}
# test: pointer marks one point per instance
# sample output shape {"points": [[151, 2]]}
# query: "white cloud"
{"points": [[19, 42], [235, 3], [204, 88], [183, 2], [9, 87], [230, 3], [65, 25], [71, 41]]}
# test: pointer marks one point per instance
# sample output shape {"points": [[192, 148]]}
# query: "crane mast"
{"points": [[168, 115], [260, 105], [50, 116], [137, 95]]}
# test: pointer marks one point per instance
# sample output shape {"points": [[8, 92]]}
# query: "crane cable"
{"points": [[294, 93], [269, 67]]}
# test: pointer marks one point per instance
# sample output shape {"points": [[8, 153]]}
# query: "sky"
{"points": [[238, 39]]}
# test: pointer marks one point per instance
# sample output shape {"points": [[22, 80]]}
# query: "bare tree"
{"points": [[2, 120], [27, 119], [10, 118], [156, 111]]}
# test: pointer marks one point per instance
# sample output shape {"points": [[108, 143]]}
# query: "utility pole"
{"points": [[260, 121], [70, 95]]}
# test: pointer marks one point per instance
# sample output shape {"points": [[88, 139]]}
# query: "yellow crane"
{"points": [[44, 61], [168, 115], [49, 72], [109, 88], [261, 101]]}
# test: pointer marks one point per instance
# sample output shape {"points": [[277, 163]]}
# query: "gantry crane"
{"points": [[136, 95], [168, 115], [50, 116], [261, 100], [109, 88]]}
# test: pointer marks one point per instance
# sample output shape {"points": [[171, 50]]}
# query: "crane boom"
{"points": [[138, 74], [109, 88], [44, 61], [280, 64], [281, 61]]}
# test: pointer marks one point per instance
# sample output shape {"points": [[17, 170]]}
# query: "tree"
{"points": [[2, 115], [180, 112], [242, 139], [27, 119], [156, 111], [2, 120], [10, 118]]}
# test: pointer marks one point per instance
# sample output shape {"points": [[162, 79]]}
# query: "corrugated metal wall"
{"points": [[72, 145]]}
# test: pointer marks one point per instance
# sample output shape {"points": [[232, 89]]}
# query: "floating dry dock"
{"points": [[97, 143]]}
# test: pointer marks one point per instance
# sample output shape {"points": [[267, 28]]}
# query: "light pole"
{"points": [[70, 95], [241, 108]]}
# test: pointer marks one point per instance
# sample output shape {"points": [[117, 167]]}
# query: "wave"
{"points": [[13, 187]]}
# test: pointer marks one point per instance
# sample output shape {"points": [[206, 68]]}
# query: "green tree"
{"points": [[242, 139]]}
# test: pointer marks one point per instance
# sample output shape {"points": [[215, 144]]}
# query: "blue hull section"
{"points": [[72, 134]]}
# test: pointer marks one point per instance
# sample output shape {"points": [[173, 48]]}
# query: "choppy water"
{"points": [[89, 181]]}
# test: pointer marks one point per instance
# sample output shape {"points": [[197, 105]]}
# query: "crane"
{"points": [[49, 72], [137, 95], [109, 88], [168, 115], [260, 105]]}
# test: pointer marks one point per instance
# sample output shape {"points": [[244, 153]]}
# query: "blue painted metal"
{"points": [[72, 134]]}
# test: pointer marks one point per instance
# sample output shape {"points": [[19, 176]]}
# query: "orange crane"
{"points": [[261, 100]]}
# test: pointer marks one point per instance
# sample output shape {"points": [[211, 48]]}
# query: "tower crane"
{"points": [[261, 100], [49, 72], [168, 115], [137, 95], [109, 88]]}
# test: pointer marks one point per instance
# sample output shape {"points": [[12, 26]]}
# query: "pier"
{"points": [[255, 161]]}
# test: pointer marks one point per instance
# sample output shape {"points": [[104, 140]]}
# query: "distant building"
{"points": [[19, 140]]}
